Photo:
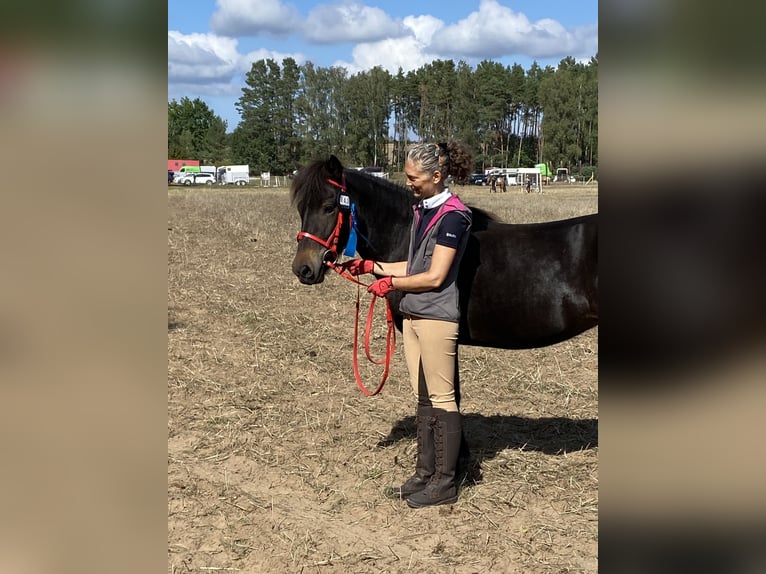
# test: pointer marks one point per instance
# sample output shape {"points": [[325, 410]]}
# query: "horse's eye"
{"points": [[329, 208]]}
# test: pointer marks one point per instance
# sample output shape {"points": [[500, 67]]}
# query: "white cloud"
{"points": [[196, 58], [423, 27], [212, 65], [264, 54], [350, 22], [495, 31], [406, 53], [492, 32], [255, 17]]}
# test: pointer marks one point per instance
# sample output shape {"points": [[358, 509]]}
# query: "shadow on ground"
{"points": [[486, 436]]}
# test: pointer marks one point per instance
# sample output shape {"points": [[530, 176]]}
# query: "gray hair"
{"points": [[453, 158], [431, 157]]}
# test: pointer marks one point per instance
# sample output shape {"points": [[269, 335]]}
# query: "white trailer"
{"points": [[234, 174]]}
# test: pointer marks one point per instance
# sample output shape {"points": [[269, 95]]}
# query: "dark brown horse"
{"points": [[497, 183], [521, 285]]}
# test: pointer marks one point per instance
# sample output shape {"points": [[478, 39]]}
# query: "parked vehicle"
{"points": [[177, 164], [234, 174], [190, 178], [375, 170], [477, 179]]}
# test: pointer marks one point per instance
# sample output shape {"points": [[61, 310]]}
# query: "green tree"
{"points": [[465, 117], [369, 103], [267, 137], [590, 113], [313, 110], [321, 112], [217, 149], [494, 101], [399, 102], [195, 132], [286, 140], [434, 92], [254, 139], [536, 83], [291, 114], [569, 98]]}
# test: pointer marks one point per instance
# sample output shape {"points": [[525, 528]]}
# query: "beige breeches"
{"points": [[429, 348]]}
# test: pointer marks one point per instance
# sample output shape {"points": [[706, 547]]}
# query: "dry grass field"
{"points": [[276, 460]]}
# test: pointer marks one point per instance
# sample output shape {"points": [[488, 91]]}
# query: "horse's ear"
{"points": [[334, 167]]}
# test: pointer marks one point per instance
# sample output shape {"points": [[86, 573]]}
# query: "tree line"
{"points": [[291, 114]]}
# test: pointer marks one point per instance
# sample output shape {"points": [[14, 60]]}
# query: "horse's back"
{"points": [[528, 285]]}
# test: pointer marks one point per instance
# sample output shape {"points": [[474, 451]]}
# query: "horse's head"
{"points": [[317, 193]]}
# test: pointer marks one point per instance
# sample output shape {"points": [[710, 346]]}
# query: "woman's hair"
{"points": [[452, 158]]}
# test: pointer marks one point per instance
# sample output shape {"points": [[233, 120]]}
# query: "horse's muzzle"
{"points": [[310, 269]]}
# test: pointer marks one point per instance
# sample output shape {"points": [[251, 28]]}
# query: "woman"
{"points": [[430, 305]]}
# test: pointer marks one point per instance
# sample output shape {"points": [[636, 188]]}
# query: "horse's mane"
{"points": [[480, 218], [382, 191], [310, 177]]}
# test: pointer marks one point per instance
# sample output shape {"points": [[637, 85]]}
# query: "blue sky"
{"points": [[213, 43]]}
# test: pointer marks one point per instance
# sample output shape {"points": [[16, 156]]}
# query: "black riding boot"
{"points": [[424, 466], [442, 488]]}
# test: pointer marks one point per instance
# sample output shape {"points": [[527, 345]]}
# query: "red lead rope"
{"points": [[390, 335], [331, 245]]}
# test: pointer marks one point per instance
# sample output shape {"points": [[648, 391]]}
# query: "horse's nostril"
{"points": [[306, 272]]}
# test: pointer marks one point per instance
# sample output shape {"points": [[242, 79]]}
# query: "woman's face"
{"points": [[423, 185]]}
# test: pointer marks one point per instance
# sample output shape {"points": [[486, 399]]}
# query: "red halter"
{"points": [[331, 246], [331, 243]]}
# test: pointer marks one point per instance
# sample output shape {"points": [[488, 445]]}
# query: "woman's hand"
{"points": [[358, 266], [381, 287]]}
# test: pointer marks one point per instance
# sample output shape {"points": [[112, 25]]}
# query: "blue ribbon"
{"points": [[351, 243]]}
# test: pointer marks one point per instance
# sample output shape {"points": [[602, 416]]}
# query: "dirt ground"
{"points": [[277, 461]]}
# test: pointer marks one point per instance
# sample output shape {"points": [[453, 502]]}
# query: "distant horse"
{"points": [[498, 181], [521, 285]]}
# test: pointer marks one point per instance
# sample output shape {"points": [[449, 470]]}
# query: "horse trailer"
{"points": [[234, 174]]}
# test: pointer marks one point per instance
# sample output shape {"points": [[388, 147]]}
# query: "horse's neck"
{"points": [[384, 224]]}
